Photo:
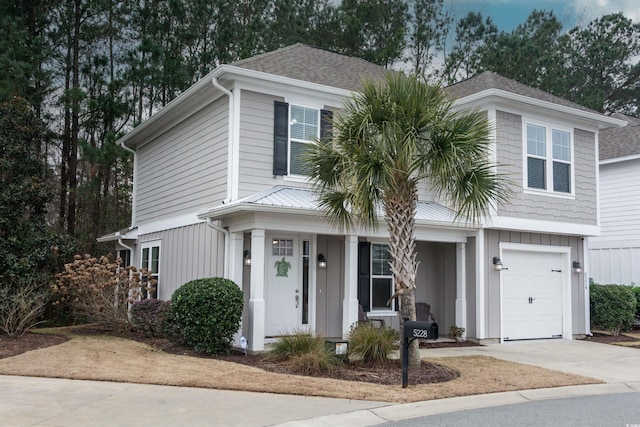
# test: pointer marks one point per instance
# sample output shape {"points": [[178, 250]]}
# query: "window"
{"points": [[294, 128], [151, 262], [282, 247], [381, 278], [304, 126], [548, 159]]}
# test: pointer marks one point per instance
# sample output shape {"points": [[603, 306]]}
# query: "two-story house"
{"points": [[218, 191], [615, 254]]}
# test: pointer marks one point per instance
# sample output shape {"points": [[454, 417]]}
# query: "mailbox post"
{"points": [[412, 331]]}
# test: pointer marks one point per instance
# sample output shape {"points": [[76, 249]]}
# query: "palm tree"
{"points": [[387, 139]]}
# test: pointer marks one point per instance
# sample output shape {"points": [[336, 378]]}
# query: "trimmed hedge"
{"points": [[636, 291], [205, 313], [613, 307]]}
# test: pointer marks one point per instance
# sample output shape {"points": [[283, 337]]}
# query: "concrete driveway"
{"points": [[609, 363]]}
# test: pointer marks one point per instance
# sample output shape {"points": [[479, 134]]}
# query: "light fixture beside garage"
{"points": [[577, 267], [247, 257], [497, 263]]}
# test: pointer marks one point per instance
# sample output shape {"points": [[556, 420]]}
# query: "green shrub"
{"points": [[636, 291], [372, 344], [613, 307], [306, 353], [295, 344], [205, 313], [147, 316]]}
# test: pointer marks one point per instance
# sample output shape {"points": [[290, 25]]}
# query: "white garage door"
{"points": [[532, 295]]}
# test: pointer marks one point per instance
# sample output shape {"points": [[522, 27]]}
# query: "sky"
{"points": [[507, 14]]}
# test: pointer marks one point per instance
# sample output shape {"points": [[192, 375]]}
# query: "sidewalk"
{"points": [[28, 401]]}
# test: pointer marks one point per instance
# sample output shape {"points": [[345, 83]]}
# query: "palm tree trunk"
{"points": [[400, 210]]}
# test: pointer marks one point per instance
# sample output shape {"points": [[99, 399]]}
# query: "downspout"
{"points": [[227, 242], [230, 136], [134, 186], [131, 250]]}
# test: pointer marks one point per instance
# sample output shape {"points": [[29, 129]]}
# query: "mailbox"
{"points": [[425, 330], [412, 331]]}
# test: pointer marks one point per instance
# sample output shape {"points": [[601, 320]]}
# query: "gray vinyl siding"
{"points": [[184, 169], [493, 238], [330, 287], [186, 253], [510, 156]]}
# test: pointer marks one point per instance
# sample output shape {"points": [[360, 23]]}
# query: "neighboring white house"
{"points": [[615, 254], [218, 191]]}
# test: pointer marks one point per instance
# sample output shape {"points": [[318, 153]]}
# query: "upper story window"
{"points": [[549, 159], [304, 126], [295, 127]]}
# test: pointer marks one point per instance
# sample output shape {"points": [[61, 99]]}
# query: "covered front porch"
{"points": [[298, 272]]}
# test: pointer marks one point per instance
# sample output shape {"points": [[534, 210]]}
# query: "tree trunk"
{"points": [[400, 210]]}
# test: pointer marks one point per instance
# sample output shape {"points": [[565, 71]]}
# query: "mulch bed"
{"points": [[382, 373], [389, 373]]}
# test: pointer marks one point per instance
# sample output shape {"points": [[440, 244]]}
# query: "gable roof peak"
{"points": [[307, 63], [490, 80]]}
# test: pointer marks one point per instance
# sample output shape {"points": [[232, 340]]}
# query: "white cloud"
{"points": [[590, 9]]}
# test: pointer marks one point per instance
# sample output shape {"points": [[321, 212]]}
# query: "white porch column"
{"points": [[234, 272], [461, 291], [256, 292], [350, 302]]}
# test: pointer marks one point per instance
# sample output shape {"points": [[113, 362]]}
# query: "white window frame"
{"points": [[318, 110], [150, 245], [392, 307], [549, 159]]}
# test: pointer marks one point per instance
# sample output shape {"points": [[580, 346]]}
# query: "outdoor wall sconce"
{"points": [[577, 267], [497, 263], [246, 255], [322, 261]]}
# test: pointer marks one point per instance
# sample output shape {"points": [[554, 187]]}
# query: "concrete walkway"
{"points": [[26, 401]]}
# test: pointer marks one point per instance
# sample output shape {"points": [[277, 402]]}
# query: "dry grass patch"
{"points": [[122, 360]]}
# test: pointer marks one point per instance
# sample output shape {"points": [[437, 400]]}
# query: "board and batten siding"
{"points": [[493, 238], [184, 169], [186, 253], [615, 254], [581, 209]]}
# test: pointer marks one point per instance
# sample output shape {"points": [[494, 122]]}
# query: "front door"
{"points": [[283, 297]]}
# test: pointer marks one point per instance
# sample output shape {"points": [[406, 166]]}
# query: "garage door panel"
{"points": [[532, 295]]}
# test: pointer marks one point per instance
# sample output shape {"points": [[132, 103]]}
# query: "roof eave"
{"points": [[602, 120]]}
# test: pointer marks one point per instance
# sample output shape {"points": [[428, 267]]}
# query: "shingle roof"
{"points": [[490, 80], [303, 62], [620, 142]]}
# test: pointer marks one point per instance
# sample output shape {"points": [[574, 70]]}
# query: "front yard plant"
{"points": [[99, 290], [613, 307], [306, 353], [205, 313], [372, 344]]}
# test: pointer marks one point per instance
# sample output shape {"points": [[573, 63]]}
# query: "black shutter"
{"points": [[364, 274], [326, 125], [280, 137]]}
